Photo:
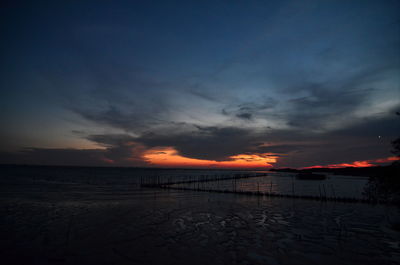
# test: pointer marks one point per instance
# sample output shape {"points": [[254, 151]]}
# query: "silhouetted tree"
{"points": [[385, 187], [396, 148]]}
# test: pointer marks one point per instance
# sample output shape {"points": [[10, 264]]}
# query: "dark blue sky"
{"points": [[309, 82]]}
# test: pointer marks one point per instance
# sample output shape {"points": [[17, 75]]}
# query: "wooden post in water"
{"points": [[293, 186], [235, 183], [334, 193], [319, 188]]}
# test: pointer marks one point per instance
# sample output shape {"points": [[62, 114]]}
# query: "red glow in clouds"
{"points": [[169, 157], [365, 163]]}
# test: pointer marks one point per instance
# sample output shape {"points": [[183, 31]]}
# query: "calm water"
{"points": [[287, 183], [275, 182], [102, 216], [101, 175]]}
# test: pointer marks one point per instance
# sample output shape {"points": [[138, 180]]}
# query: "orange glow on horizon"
{"points": [[169, 157], [365, 163], [387, 160]]}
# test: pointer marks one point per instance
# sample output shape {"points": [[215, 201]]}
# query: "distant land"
{"points": [[390, 170]]}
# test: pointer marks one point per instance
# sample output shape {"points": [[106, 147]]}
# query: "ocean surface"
{"points": [[273, 182], [66, 215], [287, 183]]}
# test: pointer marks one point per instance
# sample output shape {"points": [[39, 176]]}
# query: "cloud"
{"points": [[302, 84], [210, 143], [120, 150], [244, 116], [358, 141], [111, 140], [295, 148], [366, 139], [248, 111], [282, 148], [201, 94], [44, 156], [365, 163], [109, 116]]}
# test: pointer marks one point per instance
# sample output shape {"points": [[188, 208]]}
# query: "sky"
{"points": [[215, 84]]}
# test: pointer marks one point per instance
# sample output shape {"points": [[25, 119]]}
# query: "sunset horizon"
{"points": [[200, 132], [278, 84]]}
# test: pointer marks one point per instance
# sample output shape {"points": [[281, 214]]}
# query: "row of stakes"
{"points": [[197, 184]]}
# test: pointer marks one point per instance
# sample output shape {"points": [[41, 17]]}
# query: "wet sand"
{"points": [[67, 223]]}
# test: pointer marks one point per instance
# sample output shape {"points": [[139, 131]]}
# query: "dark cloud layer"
{"points": [[119, 150], [43, 156], [297, 148], [209, 143]]}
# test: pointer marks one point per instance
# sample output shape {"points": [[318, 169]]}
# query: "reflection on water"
{"points": [[286, 183], [130, 178], [102, 216]]}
